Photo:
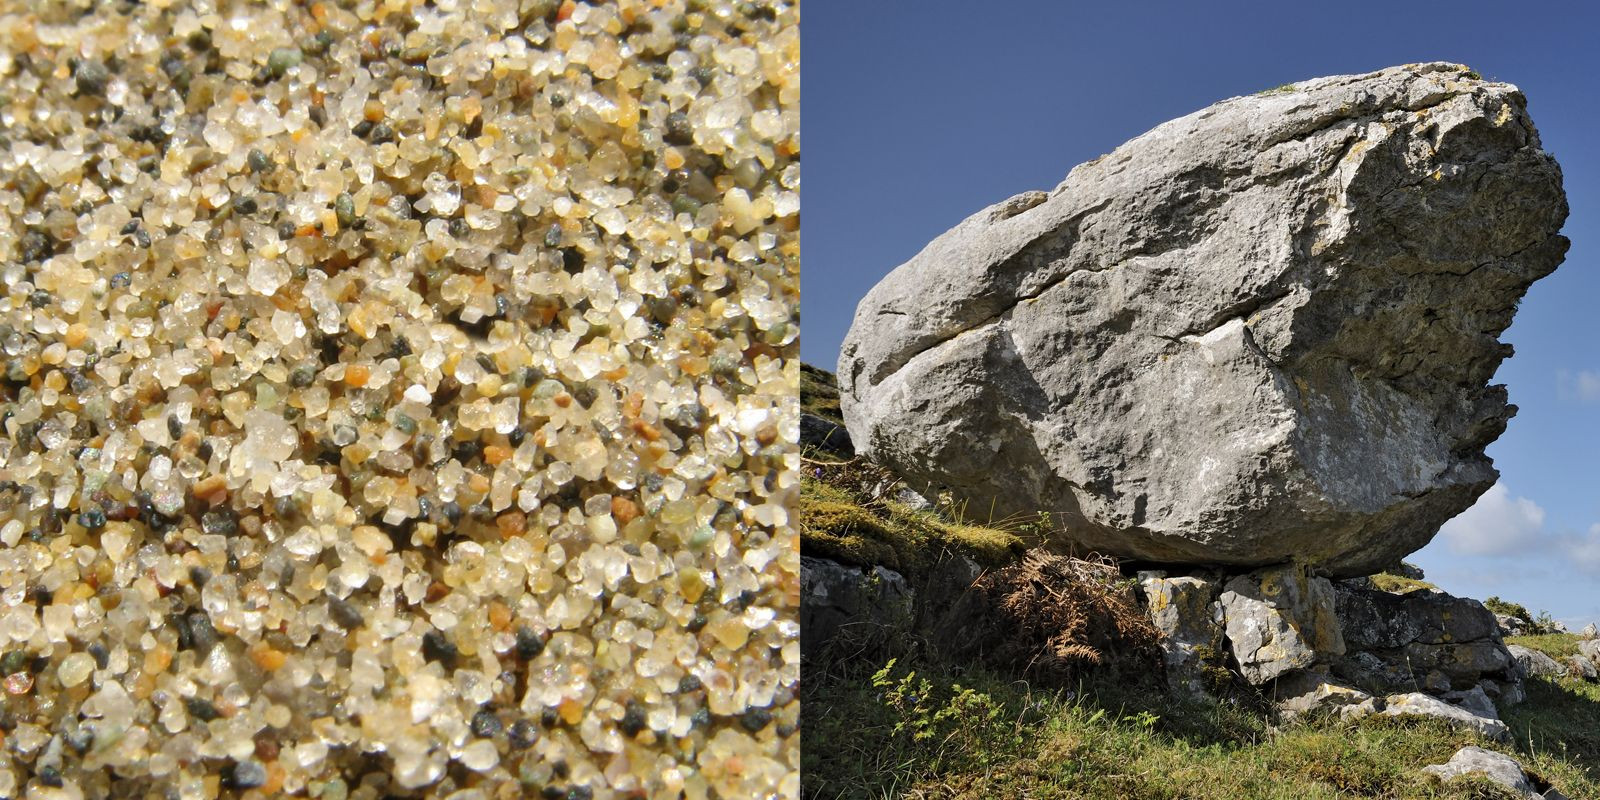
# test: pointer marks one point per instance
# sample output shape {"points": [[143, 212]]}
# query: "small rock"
{"points": [[1314, 692], [437, 647], [1579, 666], [1185, 611], [247, 774], [1509, 625], [1590, 649], [485, 725], [1589, 631], [1497, 767], [912, 500], [1475, 700], [91, 77], [345, 614], [1535, 663], [1419, 704], [824, 435]]}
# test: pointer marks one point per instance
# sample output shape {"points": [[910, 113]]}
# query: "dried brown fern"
{"points": [[1057, 615]]}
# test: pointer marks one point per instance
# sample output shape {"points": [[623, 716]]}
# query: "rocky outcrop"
{"points": [[1423, 639], [1316, 646], [1257, 333], [846, 606]]}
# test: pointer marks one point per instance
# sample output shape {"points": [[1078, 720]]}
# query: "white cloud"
{"points": [[1584, 550], [1497, 524], [1582, 386]]}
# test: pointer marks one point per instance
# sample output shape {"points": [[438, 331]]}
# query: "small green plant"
{"points": [[953, 721], [1545, 623], [1287, 88]]}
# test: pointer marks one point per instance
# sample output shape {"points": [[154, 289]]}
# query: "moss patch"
{"points": [[842, 525], [1397, 584], [819, 394]]}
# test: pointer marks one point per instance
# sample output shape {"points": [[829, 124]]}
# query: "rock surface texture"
{"points": [[1423, 639], [866, 606], [1259, 332], [1185, 612], [1535, 664], [1279, 619]]}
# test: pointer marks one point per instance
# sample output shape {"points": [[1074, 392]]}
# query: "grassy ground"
{"points": [[1555, 645], [943, 732]]}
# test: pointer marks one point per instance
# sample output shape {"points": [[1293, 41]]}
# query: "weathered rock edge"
{"points": [[1261, 332]]}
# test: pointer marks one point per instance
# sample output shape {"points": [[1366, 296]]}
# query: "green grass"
{"points": [[970, 733], [1555, 645], [819, 394]]}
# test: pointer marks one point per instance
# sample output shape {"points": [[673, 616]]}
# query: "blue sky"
{"points": [[919, 114]]}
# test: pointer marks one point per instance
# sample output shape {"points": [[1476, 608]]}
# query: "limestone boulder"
{"points": [[1579, 666], [1261, 332], [1511, 626], [1590, 649], [1423, 639], [1372, 619], [1315, 692]]}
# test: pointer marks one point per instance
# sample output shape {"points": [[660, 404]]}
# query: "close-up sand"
{"points": [[398, 399]]}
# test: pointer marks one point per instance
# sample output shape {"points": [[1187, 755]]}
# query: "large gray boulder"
{"points": [[1315, 692], [1590, 648], [1535, 663], [1257, 333]]}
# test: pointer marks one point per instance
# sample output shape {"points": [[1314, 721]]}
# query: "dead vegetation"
{"points": [[1055, 616]]}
